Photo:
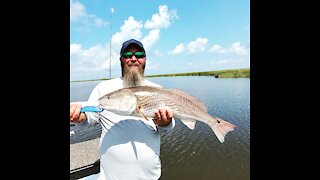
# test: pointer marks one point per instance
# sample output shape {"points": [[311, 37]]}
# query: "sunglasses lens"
{"points": [[139, 54], [136, 54], [127, 54]]}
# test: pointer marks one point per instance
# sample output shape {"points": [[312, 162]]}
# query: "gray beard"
{"points": [[132, 77]]}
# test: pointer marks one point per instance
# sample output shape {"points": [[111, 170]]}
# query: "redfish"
{"points": [[145, 100]]}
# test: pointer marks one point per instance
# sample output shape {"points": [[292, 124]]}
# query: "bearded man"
{"points": [[129, 146]]}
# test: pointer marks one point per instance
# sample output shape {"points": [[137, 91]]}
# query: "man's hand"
{"points": [[75, 115], [163, 117]]}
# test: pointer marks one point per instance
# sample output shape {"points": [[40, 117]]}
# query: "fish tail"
{"points": [[221, 128]]}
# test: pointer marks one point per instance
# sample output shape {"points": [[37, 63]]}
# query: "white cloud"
{"points": [[95, 61], [217, 48], [98, 22], [74, 48], [77, 10], [162, 19], [150, 39], [130, 29], [235, 48], [78, 13], [178, 49], [92, 60], [238, 49], [198, 45]]}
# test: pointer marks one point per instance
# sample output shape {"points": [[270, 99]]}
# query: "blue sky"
{"points": [[179, 36]]}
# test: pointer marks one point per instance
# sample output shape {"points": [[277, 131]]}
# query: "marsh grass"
{"points": [[230, 73]]}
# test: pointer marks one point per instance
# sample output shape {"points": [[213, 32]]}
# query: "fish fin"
{"points": [[189, 123], [138, 107], [221, 128]]}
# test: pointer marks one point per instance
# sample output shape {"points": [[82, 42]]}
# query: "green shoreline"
{"points": [[229, 73]]}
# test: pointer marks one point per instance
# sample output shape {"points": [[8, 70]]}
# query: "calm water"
{"points": [[197, 154]]}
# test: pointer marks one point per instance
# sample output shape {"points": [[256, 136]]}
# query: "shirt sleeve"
{"points": [[92, 117]]}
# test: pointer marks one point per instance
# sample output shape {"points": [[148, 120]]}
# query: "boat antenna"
{"points": [[112, 10]]}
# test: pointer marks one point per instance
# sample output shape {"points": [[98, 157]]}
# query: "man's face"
{"points": [[133, 68], [133, 63]]}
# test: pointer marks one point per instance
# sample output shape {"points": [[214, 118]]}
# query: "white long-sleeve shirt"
{"points": [[129, 146]]}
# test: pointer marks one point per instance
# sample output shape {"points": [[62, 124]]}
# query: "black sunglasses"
{"points": [[129, 54]]}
